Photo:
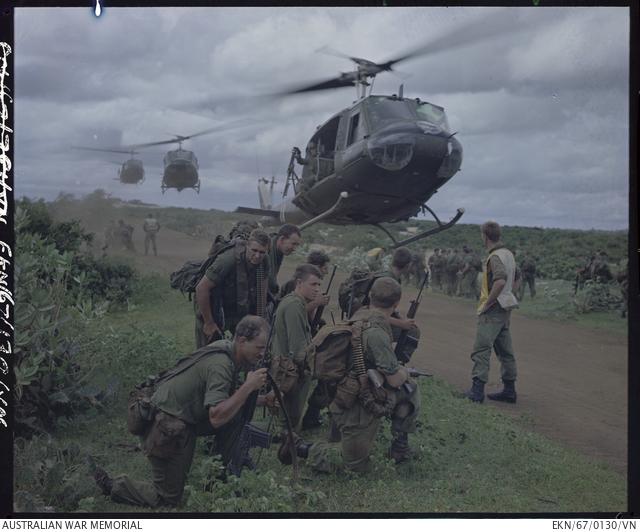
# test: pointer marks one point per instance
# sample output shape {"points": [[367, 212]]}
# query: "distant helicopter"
{"points": [[181, 166], [131, 172], [377, 161]]}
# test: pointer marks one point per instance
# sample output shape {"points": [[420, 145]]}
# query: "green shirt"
{"points": [[208, 382], [292, 332], [376, 341]]}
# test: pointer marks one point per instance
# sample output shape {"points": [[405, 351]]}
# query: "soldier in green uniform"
{"points": [[283, 243], [150, 228], [291, 335], [320, 260], [232, 287], [528, 271], [452, 267], [355, 409], [468, 273], [494, 312], [434, 274], [206, 398]]}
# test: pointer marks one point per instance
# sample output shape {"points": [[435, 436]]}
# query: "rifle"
{"points": [[404, 337], [250, 436], [318, 315]]}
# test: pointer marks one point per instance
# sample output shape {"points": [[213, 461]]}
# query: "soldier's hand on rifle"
{"points": [[406, 323], [269, 400], [256, 379], [321, 300], [210, 329]]}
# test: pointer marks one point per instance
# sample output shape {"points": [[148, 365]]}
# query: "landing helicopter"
{"points": [[131, 172], [377, 161], [181, 166]]}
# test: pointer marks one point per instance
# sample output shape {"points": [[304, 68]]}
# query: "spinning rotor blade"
{"points": [[109, 150], [181, 138], [346, 79]]}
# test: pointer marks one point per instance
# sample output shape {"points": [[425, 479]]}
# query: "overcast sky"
{"points": [[541, 109]]}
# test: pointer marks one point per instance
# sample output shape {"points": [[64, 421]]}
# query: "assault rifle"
{"points": [[318, 315], [404, 337], [377, 379]]}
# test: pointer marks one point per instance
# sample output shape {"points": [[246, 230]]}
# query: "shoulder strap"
{"points": [[186, 362]]}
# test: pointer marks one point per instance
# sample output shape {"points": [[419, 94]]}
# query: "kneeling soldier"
{"points": [[204, 399], [360, 404]]}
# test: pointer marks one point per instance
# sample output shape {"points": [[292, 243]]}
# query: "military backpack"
{"points": [[353, 292]]}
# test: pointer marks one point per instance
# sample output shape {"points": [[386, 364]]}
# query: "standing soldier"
{"points": [[125, 235], [150, 228], [291, 335], [600, 271], [232, 287], [204, 399], [452, 267], [355, 409], [283, 243], [528, 271], [467, 274], [434, 274], [494, 313]]}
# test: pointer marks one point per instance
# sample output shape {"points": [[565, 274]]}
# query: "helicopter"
{"points": [[379, 160], [131, 172], [180, 165]]}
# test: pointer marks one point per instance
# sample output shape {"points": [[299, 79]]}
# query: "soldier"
{"points": [[124, 234], [433, 269], [467, 274], [109, 236], [452, 267], [355, 410], [320, 260], [374, 259], [600, 271], [232, 287], [150, 228], [291, 335], [528, 271], [310, 160], [284, 243], [494, 312], [623, 279], [204, 399]]}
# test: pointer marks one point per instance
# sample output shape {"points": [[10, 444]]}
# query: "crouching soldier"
{"points": [[203, 399], [361, 401]]}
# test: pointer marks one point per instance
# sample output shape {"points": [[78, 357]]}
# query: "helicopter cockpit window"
{"points": [[356, 129], [433, 114], [382, 108]]}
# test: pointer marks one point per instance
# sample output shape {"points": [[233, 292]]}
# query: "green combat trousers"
{"points": [[295, 401], [358, 428], [493, 333]]}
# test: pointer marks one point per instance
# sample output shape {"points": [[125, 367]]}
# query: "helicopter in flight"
{"points": [[379, 160], [131, 172]]}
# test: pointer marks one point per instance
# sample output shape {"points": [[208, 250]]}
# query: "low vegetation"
{"points": [[88, 328]]}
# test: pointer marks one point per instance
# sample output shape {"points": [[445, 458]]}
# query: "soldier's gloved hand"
{"points": [[256, 379]]}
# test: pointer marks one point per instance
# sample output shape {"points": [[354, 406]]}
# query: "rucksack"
{"points": [[359, 283], [188, 276], [327, 356]]}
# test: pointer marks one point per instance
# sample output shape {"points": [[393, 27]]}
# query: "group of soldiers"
{"points": [[120, 235], [249, 330]]}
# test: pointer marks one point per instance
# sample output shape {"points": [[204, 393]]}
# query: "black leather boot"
{"points": [[300, 447], [476, 393], [400, 450], [507, 395]]}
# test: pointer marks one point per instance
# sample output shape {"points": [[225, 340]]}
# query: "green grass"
{"points": [[471, 458]]}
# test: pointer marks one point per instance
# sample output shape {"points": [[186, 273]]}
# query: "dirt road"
{"points": [[572, 383]]}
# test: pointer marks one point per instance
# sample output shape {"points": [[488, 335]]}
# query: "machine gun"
{"points": [[250, 437], [318, 315], [404, 337]]}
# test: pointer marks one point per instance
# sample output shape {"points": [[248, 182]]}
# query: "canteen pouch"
{"points": [[347, 392], [140, 410], [166, 436], [284, 372]]}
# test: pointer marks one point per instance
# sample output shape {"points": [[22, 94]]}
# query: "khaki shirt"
{"points": [[292, 332], [208, 382]]}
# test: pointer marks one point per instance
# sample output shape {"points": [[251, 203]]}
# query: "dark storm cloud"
{"points": [[542, 113]]}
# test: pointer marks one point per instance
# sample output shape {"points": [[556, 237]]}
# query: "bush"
{"points": [[596, 297]]}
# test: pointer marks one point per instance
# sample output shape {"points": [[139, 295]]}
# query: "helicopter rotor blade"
{"points": [[470, 33], [330, 51], [109, 150], [344, 80]]}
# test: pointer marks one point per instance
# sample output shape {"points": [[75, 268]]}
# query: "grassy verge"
{"points": [[470, 458]]}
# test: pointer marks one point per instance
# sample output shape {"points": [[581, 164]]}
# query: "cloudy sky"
{"points": [[541, 107]]}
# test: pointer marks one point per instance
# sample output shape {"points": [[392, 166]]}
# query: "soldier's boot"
{"points": [[400, 451], [507, 395], [312, 418], [300, 447], [476, 392], [334, 433], [101, 477]]}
